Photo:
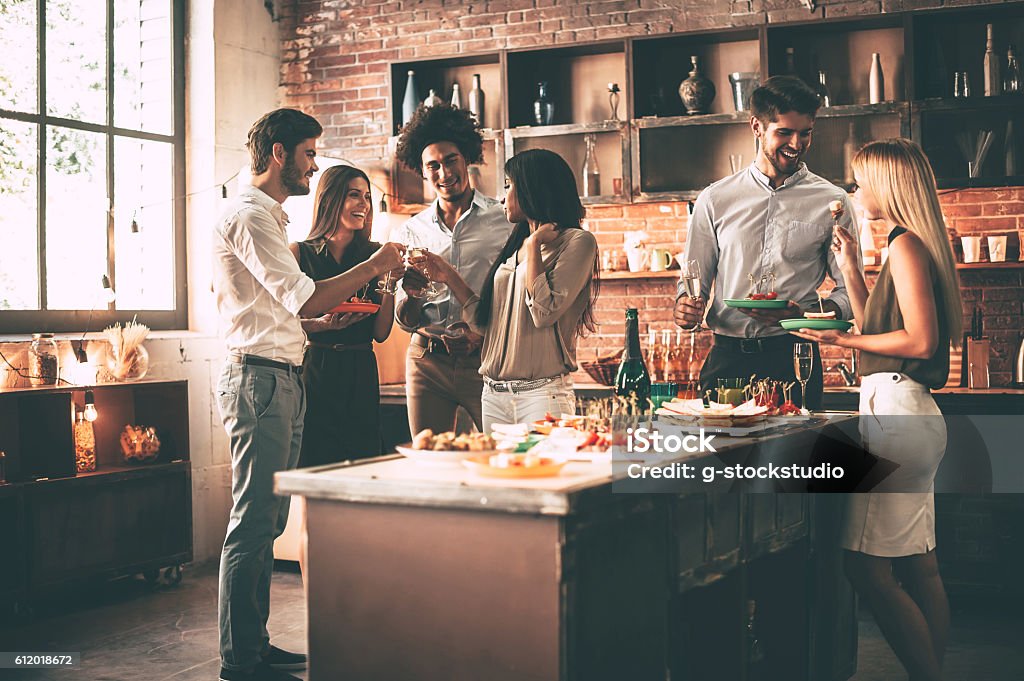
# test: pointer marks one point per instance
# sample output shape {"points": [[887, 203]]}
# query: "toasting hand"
{"points": [[390, 256], [688, 311]]}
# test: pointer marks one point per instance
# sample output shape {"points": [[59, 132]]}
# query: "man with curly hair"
{"points": [[468, 230]]}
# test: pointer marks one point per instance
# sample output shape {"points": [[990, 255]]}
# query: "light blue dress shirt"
{"points": [[742, 225]]}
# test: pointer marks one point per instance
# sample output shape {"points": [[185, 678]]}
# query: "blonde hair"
{"points": [[901, 178]]}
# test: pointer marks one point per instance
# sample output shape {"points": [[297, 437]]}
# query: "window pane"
{"points": [[76, 218], [144, 260], [19, 39], [142, 65], [19, 273], [76, 60]]}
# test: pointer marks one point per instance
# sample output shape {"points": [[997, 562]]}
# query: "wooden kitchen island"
{"points": [[423, 572]]}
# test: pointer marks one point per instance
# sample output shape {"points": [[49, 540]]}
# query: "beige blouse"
{"points": [[535, 337]]}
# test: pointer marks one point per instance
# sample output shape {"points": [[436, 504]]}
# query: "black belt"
{"points": [[340, 347], [752, 346], [257, 361]]}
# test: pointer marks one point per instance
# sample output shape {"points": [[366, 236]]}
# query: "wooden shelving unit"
{"points": [[665, 155]]}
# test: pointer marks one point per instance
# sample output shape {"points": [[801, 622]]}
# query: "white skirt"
{"points": [[891, 522]]}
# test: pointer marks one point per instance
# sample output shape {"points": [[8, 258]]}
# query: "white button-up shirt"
{"points": [[742, 225], [257, 282], [471, 247]]}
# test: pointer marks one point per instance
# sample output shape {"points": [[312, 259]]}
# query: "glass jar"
{"points": [[43, 362], [85, 445], [132, 367]]}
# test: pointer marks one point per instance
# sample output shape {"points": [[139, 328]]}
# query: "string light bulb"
{"points": [[108, 290], [90, 412], [135, 224], [383, 205], [80, 355]]}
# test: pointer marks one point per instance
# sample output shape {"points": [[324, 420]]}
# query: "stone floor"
{"points": [[131, 631]]}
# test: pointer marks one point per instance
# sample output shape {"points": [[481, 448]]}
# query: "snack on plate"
{"points": [[526, 460], [450, 442], [836, 208], [820, 315]]}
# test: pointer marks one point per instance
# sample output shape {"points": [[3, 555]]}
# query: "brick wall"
{"points": [[335, 58]]}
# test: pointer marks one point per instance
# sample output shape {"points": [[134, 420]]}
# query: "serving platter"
{"points": [[815, 324], [369, 308]]}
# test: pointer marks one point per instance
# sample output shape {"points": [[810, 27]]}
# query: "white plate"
{"points": [[431, 457]]}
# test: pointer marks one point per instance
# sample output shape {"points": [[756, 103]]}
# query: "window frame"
{"points": [[68, 321]]}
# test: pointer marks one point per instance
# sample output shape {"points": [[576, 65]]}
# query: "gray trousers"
{"points": [[437, 385], [262, 409]]}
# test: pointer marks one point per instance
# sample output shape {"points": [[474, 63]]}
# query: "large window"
{"points": [[91, 164]]}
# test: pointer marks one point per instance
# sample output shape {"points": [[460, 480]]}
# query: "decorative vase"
{"points": [[411, 100], [543, 108], [613, 100], [456, 97], [132, 367], [697, 92], [432, 99]]}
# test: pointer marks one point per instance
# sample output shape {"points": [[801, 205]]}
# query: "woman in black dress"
{"points": [[340, 370]]}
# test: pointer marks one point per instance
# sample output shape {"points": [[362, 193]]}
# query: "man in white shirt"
{"points": [[770, 220], [466, 228], [260, 293]]}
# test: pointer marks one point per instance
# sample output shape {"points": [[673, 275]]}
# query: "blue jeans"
{"points": [[262, 409]]}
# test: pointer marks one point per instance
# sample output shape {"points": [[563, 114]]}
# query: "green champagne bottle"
{"points": [[632, 378]]}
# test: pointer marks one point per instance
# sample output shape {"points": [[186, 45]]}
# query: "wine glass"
{"points": [[689, 276], [803, 364], [387, 285], [432, 289]]}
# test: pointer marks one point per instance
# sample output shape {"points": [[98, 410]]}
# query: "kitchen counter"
{"points": [[423, 572]]}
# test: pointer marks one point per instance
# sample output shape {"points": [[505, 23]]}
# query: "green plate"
{"points": [[816, 324], [757, 304]]}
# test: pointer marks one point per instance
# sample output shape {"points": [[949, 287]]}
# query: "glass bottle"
{"points": [[3, 467], [755, 652], [849, 151], [456, 97], [476, 101], [821, 89], [658, 351], [632, 379], [43, 362], [85, 444], [411, 100], [1012, 75], [543, 108], [876, 80], [669, 372], [993, 82], [591, 172], [790, 61]]}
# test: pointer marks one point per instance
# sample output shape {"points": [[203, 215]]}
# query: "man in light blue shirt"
{"points": [[770, 221], [466, 228]]}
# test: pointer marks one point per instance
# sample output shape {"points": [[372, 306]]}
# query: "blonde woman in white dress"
{"points": [[906, 325]]}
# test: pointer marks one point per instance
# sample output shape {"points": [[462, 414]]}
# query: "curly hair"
{"points": [[439, 123]]}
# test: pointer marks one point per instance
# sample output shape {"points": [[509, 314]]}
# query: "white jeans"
{"points": [[555, 398]]}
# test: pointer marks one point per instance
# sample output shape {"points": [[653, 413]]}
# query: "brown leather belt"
{"points": [[340, 347]]}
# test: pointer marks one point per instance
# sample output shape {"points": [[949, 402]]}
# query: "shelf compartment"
{"points": [[577, 78], [612, 142], [946, 41], [938, 125], [675, 162], [840, 131], [842, 49], [617, 274], [441, 74], [660, 65]]}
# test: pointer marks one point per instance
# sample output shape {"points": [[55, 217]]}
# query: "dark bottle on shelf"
{"points": [[821, 89], [543, 108], [632, 380], [755, 651]]}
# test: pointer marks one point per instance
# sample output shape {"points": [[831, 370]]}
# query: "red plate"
{"points": [[356, 307]]}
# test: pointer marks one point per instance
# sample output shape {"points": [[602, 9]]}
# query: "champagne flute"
{"points": [[689, 276], [803, 365], [432, 289]]}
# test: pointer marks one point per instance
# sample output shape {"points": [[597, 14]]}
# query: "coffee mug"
{"points": [[972, 248], [661, 259], [637, 259], [997, 248]]}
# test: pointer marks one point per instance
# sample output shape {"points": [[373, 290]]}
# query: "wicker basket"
{"points": [[603, 370]]}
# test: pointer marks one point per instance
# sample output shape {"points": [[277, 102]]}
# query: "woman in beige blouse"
{"points": [[906, 322], [538, 298]]}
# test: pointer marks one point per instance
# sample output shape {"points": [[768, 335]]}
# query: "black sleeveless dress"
{"points": [[342, 386]]}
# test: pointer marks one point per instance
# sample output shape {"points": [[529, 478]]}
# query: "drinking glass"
{"points": [[387, 286], [803, 364], [730, 391], [662, 391], [432, 289], [735, 162], [689, 276]]}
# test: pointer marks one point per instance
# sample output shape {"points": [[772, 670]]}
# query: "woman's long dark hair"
{"points": [[546, 192], [330, 198]]}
